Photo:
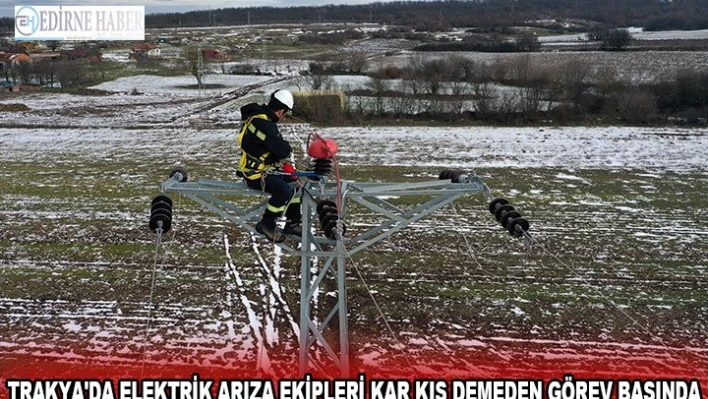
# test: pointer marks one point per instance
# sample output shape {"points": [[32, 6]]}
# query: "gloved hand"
{"points": [[288, 168]]}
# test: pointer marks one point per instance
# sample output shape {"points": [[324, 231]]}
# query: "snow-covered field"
{"points": [[636, 66], [616, 280], [176, 85], [636, 33], [545, 147]]}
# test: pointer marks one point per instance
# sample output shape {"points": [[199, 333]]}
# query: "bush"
{"points": [[688, 91], [389, 72], [694, 116], [244, 69], [455, 46], [485, 45], [636, 105], [432, 25], [14, 107], [319, 106], [319, 77], [616, 39], [72, 73], [692, 88], [528, 42], [354, 65]]}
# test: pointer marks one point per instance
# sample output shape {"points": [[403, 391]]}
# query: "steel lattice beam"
{"points": [[372, 196]]}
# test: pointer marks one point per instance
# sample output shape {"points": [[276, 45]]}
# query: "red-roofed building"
{"points": [[145, 49], [213, 54], [7, 60]]}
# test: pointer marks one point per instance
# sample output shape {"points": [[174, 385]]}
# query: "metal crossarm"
{"points": [[314, 248]]}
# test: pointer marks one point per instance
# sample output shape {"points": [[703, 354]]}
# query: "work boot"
{"points": [[292, 229], [273, 235]]}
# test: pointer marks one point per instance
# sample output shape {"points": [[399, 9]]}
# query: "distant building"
{"points": [[17, 58], [145, 50], [213, 54], [7, 60], [167, 40]]}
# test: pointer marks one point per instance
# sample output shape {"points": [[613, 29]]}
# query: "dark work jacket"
{"points": [[274, 142]]}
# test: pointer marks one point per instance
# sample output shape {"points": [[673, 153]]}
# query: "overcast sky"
{"points": [[7, 8]]}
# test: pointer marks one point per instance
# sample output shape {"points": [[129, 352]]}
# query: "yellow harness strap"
{"points": [[251, 166]]}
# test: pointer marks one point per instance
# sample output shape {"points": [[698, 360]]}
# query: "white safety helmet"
{"points": [[284, 97]]}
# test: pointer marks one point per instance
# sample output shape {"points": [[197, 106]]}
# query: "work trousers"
{"points": [[280, 194]]}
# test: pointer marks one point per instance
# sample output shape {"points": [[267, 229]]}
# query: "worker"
{"points": [[265, 150]]}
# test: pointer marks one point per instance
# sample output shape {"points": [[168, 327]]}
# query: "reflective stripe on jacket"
{"points": [[250, 166]]}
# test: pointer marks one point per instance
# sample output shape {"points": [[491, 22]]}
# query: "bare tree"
{"points": [[572, 82], [636, 105], [71, 73], [434, 105], [379, 89], [459, 86], [403, 104], [7, 71], [24, 71], [477, 72], [520, 69], [507, 103], [52, 44], [499, 70], [191, 64], [355, 104], [299, 81], [434, 73], [318, 77], [607, 81], [320, 81], [484, 95], [530, 97], [415, 72], [358, 63], [528, 42]]}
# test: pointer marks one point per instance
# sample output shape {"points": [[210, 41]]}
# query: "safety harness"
{"points": [[252, 167]]}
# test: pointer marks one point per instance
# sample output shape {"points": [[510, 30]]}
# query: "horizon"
{"points": [[7, 9]]}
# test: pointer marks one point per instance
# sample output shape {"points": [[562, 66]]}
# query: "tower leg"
{"points": [[305, 263], [342, 297]]}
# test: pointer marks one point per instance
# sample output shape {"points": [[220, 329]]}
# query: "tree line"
{"points": [[510, 91], [439, 15]]}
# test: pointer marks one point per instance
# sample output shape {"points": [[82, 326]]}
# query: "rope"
{"points": [[530, 242], [158, 238], [358, 272], [339, 184], [158, 242], [378, 308], [470, 252], [602, 295], [258, 331], [599, 292]]}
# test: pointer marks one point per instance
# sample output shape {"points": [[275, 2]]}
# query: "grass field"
{"points": [[617, 272]]}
